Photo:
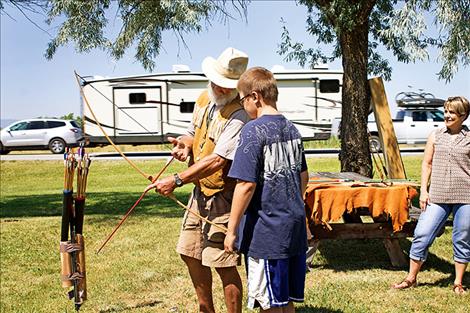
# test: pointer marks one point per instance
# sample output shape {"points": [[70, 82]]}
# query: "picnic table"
{"points": [[335, 203]]}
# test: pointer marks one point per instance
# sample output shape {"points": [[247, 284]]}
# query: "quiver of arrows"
{"points": [[72, 244]]}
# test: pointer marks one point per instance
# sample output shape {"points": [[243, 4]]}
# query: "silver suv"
{"points": [[52, 134]]}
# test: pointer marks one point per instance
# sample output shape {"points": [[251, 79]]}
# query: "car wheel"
{"points": [[2, 149], [57, 145], [375, 145]]}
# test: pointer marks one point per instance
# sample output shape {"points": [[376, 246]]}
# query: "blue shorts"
{"points": [[274, 283]]}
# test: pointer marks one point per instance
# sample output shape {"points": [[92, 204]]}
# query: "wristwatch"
{"points": [[178, 180]]}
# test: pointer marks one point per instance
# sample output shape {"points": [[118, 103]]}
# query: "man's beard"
{"points": [[221, 99]]}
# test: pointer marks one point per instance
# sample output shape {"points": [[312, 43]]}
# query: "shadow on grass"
{"points": [[131, 307], [313, 309], [448, 281], [110, 203], [352, 255], [339, 255]]}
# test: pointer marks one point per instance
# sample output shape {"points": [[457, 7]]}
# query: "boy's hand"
{"points": [[179, 151], [229, 243]]}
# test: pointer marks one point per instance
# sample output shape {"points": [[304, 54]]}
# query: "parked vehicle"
{"points": [[147, 109], [411, 125], [418, 115], [52, 134]]}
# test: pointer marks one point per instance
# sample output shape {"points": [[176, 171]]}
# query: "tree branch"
{"points": [[21, 6]]}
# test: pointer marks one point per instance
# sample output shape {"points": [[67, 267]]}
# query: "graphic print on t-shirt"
{"points": [[270, 153]]}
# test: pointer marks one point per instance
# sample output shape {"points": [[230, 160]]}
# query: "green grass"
{"points": [[139, 271], [332, 142]]}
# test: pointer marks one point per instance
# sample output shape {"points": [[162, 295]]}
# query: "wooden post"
{"points": [[387, 135], [391, 152], [395, 253], [312, 248]]}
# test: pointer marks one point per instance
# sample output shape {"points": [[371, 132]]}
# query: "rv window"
{"points": [[329, 85], [186, 107], [137, 98]]}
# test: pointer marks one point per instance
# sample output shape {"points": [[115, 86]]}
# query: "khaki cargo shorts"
{"points": [[201, 240]]}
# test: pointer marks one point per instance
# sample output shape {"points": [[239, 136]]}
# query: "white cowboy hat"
{"points": [[227, 69]]}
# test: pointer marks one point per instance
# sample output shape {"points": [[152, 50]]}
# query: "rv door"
{"points": [[138, 110]]}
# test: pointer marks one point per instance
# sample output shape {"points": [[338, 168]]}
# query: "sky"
{"points": [[32, 86]]}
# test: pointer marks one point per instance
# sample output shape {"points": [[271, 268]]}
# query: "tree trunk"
{"points": [[355, 153]]}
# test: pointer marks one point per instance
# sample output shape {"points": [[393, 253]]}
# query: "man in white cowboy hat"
{"points": [[210, 143]]}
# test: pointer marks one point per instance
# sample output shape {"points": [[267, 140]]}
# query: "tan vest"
{"points": [[206, 136]]}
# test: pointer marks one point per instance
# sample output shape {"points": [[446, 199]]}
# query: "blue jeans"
{"points": [[432, 220]]}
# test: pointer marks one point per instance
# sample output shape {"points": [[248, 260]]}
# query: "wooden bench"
{"points": [[358, 224], [355, 228]]}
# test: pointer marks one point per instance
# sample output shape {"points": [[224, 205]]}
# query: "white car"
{"points": [[52, 134]]}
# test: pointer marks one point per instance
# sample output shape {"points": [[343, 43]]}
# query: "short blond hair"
{"points": [[458, 104], [260, 80]]}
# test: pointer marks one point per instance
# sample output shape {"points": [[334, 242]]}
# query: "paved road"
{"points": [[162, 155]]}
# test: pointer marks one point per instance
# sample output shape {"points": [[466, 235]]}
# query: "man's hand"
{"points": [[229, 243], [180, 151], [164, 186]]}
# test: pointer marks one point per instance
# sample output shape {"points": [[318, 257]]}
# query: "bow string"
{"points": [[153, 179], [78, 77]]}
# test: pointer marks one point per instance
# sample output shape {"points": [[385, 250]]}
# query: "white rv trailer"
{"points": [[146, 109]]}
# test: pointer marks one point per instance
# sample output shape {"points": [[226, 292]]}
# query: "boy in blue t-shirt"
{"points": [[272, 176]]}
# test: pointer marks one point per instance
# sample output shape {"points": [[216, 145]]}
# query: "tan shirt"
{"points": [[450, 175]]}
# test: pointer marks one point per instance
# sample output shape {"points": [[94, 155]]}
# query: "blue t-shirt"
{"points": [[270, 153]]}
